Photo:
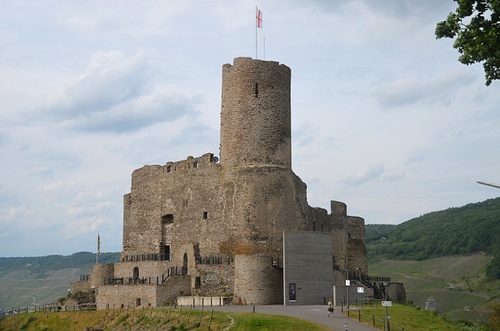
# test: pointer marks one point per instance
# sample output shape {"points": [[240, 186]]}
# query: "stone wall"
{"points": [[256, 114], [213, 279], [141, 295], [356, 244], [80, 286], [256, 281], [100, 272]]}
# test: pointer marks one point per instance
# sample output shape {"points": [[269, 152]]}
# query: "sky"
{"points": [[384, 117]]}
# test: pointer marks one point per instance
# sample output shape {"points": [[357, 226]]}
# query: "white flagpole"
{"points": [[264, 48]]}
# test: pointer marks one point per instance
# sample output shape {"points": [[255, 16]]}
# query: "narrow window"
{"points": [[256, 90], [197, 283], [205, 215], [137, 302], [195, 164], [136, 273], [169, 169], [167, 219], [166, 253]]}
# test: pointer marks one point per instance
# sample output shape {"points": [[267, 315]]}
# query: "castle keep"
{"points": [[238, 226]]}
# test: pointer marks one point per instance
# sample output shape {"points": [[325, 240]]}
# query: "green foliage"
{"points": [[495, 317], [476, 26], [466, 230], [493, 269]]}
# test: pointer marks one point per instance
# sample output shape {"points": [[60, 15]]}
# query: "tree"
{"points": [[476, 26]]}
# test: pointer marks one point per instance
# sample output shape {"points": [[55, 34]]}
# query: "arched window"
{"points": [[135, 273]]}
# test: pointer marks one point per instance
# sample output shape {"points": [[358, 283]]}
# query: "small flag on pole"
{"points": [[259, 18]]}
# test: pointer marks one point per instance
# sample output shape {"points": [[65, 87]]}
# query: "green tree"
{"points": [[476, 26]]}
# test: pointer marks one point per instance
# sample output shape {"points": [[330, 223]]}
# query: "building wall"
{"points": [[307, 264], [127, 296], [256, 281]]}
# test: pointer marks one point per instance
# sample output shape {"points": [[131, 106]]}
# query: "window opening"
{"points": [[185, 264], [167, 219], [166, 253], [205, 215], [136, 273], [137, 302], [197, 283]]}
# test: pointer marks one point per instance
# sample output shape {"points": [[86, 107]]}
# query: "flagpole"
{"points": [[98, 248], [264, 48], [256, 28]]}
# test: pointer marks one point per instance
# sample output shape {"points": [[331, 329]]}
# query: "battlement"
{"points": [[182, 166], [206, 160]]}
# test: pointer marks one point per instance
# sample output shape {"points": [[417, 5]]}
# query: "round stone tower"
{"points": [[255, 115]]}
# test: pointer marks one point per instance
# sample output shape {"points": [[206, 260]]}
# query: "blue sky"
{"points": [[384, 117]]}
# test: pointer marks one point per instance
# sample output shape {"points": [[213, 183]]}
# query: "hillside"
{"points": [[26, 281], [444, 254], [466, 230]]}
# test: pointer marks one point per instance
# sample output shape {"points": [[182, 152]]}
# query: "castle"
{"points": [[237, 227]]}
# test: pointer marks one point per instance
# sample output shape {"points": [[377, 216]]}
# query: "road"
{"points": [[313, 313]]}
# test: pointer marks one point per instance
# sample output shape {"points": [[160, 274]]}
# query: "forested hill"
{"points": [[465, 230], [39, 265]]}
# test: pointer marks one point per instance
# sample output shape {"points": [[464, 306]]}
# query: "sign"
{"points": [[347, 282], [361, 289], [386, 303]]}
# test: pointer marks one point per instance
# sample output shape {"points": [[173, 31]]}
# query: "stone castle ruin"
{"points": [[237, 227]]}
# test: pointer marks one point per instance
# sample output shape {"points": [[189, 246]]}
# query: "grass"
{"points": [[457, 283], [155, 319], [408, 317]]}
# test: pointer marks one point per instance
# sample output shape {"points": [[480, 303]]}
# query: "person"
{"points": [[330, 308]]}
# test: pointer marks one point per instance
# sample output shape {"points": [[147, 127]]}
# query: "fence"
{"points": [[49, 308]]}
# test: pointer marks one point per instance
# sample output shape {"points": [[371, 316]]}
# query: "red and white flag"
{"points": [[258, 17]]}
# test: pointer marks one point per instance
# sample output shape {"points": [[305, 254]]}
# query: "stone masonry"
{"points": [[214, 227]]}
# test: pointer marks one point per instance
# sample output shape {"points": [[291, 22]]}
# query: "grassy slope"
{"points": [[155, 319], [21, 288], [25, 281], [457, 284]]}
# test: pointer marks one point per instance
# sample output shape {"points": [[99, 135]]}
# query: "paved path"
{"points": [[313, 313]]}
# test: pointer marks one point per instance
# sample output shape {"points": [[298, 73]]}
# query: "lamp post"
{"points": [[347, 285], [488, 184]]}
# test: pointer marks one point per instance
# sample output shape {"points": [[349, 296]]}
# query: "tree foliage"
{"points": [[476, 26], [466, 230]]}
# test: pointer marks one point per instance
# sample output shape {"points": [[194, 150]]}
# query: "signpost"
{"points": [[387, 304], [361, 290]]}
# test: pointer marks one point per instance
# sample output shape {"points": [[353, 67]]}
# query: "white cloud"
{"points": [[384, 117], [365, 174]]}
